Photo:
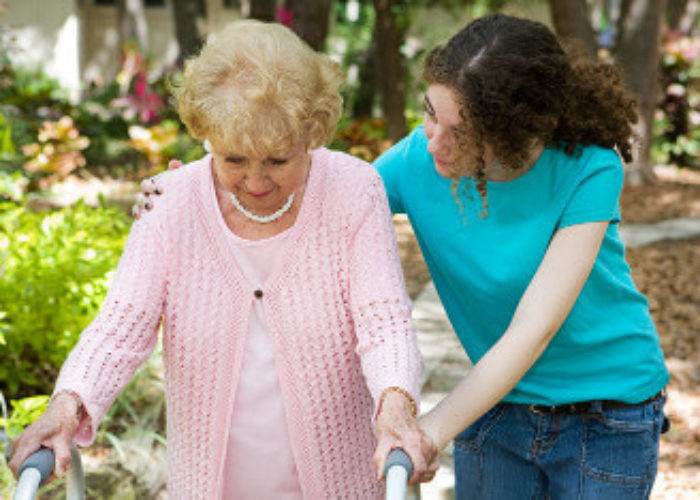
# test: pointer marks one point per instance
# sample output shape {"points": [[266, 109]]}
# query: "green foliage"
{"points": [[24, 412], [677, 119], [32, 92], [364, 138], [163, 142], [6, 479], [12, 186], [350, 41], [53, 279], [7, 146], [57, 152]]}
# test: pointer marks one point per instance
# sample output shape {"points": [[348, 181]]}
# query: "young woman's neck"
{"points": [[498, 172]]}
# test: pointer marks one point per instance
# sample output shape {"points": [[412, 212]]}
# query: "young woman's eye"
{"points": [[276, 162], [429, 109]]}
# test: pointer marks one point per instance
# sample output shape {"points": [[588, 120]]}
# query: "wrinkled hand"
{"points": [[150, 188], [396, 427], [55, 429]]}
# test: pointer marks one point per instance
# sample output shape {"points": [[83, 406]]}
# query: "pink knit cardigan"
{"points": [[335, 303]]}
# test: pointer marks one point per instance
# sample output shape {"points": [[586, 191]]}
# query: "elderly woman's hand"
{"points": [[150, 188], [396, 427], [55, 429]]}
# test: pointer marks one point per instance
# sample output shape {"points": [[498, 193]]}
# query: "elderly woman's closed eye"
{"points": [[272, 265]]}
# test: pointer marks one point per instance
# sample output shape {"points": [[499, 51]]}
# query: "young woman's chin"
{"points": [[443, 168]]}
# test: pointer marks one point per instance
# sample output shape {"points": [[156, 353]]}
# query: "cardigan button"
{"points": [[258, 294]]}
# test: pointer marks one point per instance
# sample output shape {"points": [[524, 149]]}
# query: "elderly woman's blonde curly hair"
{"points": [[260, 89]]}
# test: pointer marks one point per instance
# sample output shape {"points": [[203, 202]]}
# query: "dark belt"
{"points": [[585, 406]]}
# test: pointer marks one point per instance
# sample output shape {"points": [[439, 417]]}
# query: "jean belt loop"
{"points": [[596, 407]]}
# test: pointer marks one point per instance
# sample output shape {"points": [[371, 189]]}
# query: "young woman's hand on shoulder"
{"points": [[150, 190]]}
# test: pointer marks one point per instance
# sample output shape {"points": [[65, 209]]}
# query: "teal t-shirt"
{"points": [[608, 347]]}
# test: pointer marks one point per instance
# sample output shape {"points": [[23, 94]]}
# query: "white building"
{"points": [[77, 40]]}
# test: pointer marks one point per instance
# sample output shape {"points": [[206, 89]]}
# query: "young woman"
{"points": [[512, 188]]}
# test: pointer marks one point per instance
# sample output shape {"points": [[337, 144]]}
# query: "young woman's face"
{"points": [[441, 121], [262, 183]]}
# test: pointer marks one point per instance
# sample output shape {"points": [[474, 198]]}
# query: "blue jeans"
{"points": [[513, 452]]}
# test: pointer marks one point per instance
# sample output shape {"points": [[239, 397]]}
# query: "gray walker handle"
{"points": [[397, 471], [39, 466]]}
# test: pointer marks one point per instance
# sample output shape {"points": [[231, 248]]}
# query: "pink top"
{"points": [[259, 460], [334, 303]]}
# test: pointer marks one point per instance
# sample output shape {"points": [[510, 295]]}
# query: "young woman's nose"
{"points": [[438, 143]]}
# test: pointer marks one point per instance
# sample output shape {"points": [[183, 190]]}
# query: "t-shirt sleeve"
{"points": [[597, 193], [392, 165]]}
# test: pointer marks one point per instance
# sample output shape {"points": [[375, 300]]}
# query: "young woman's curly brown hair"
{"points": [[517, 86]]}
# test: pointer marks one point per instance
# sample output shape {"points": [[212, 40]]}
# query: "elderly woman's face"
{"points": [[261, 183]]}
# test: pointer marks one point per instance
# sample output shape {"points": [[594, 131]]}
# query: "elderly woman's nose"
{"points": [[256, 181]]}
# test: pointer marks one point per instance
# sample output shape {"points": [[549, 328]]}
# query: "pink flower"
{"points": [[285, 15]]}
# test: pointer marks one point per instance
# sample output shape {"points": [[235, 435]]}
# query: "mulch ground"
{"points": [[677, 194], [668, 273]]}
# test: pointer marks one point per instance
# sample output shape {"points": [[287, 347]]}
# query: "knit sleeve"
{"points": [[380, 306], [124, 333]]}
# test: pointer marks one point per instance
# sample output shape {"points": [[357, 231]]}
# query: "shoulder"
{"points": [[586, 162], [410, 150], [343, 171], [183, 178], [348, 184], [603, 164], [178, 186], [598, 157]]}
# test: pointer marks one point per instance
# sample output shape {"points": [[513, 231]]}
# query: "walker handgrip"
{"points": [[42, 460], [397, 471], [398, 457]]}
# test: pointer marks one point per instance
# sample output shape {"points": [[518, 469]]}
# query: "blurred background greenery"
{"points": [[71, 160]]}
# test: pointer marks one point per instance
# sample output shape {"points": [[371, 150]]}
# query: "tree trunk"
{"points": [[310, 19], [132, 22], [263, 10], [390, 68], [638, 52], [682, 14], [572, 21], [186, 13], [363, 103]]}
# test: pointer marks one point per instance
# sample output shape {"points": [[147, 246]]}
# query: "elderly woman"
{"points": [[273, 267]]}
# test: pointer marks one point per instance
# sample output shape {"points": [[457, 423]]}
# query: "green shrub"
{"points": [[24, 412], [676, 131], [54, 275]]}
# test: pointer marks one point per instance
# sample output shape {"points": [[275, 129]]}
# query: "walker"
{"points": [[39, 466], [397, 470]]}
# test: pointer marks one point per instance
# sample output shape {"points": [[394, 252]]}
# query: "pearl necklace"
{"points": [[263, 219]]}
